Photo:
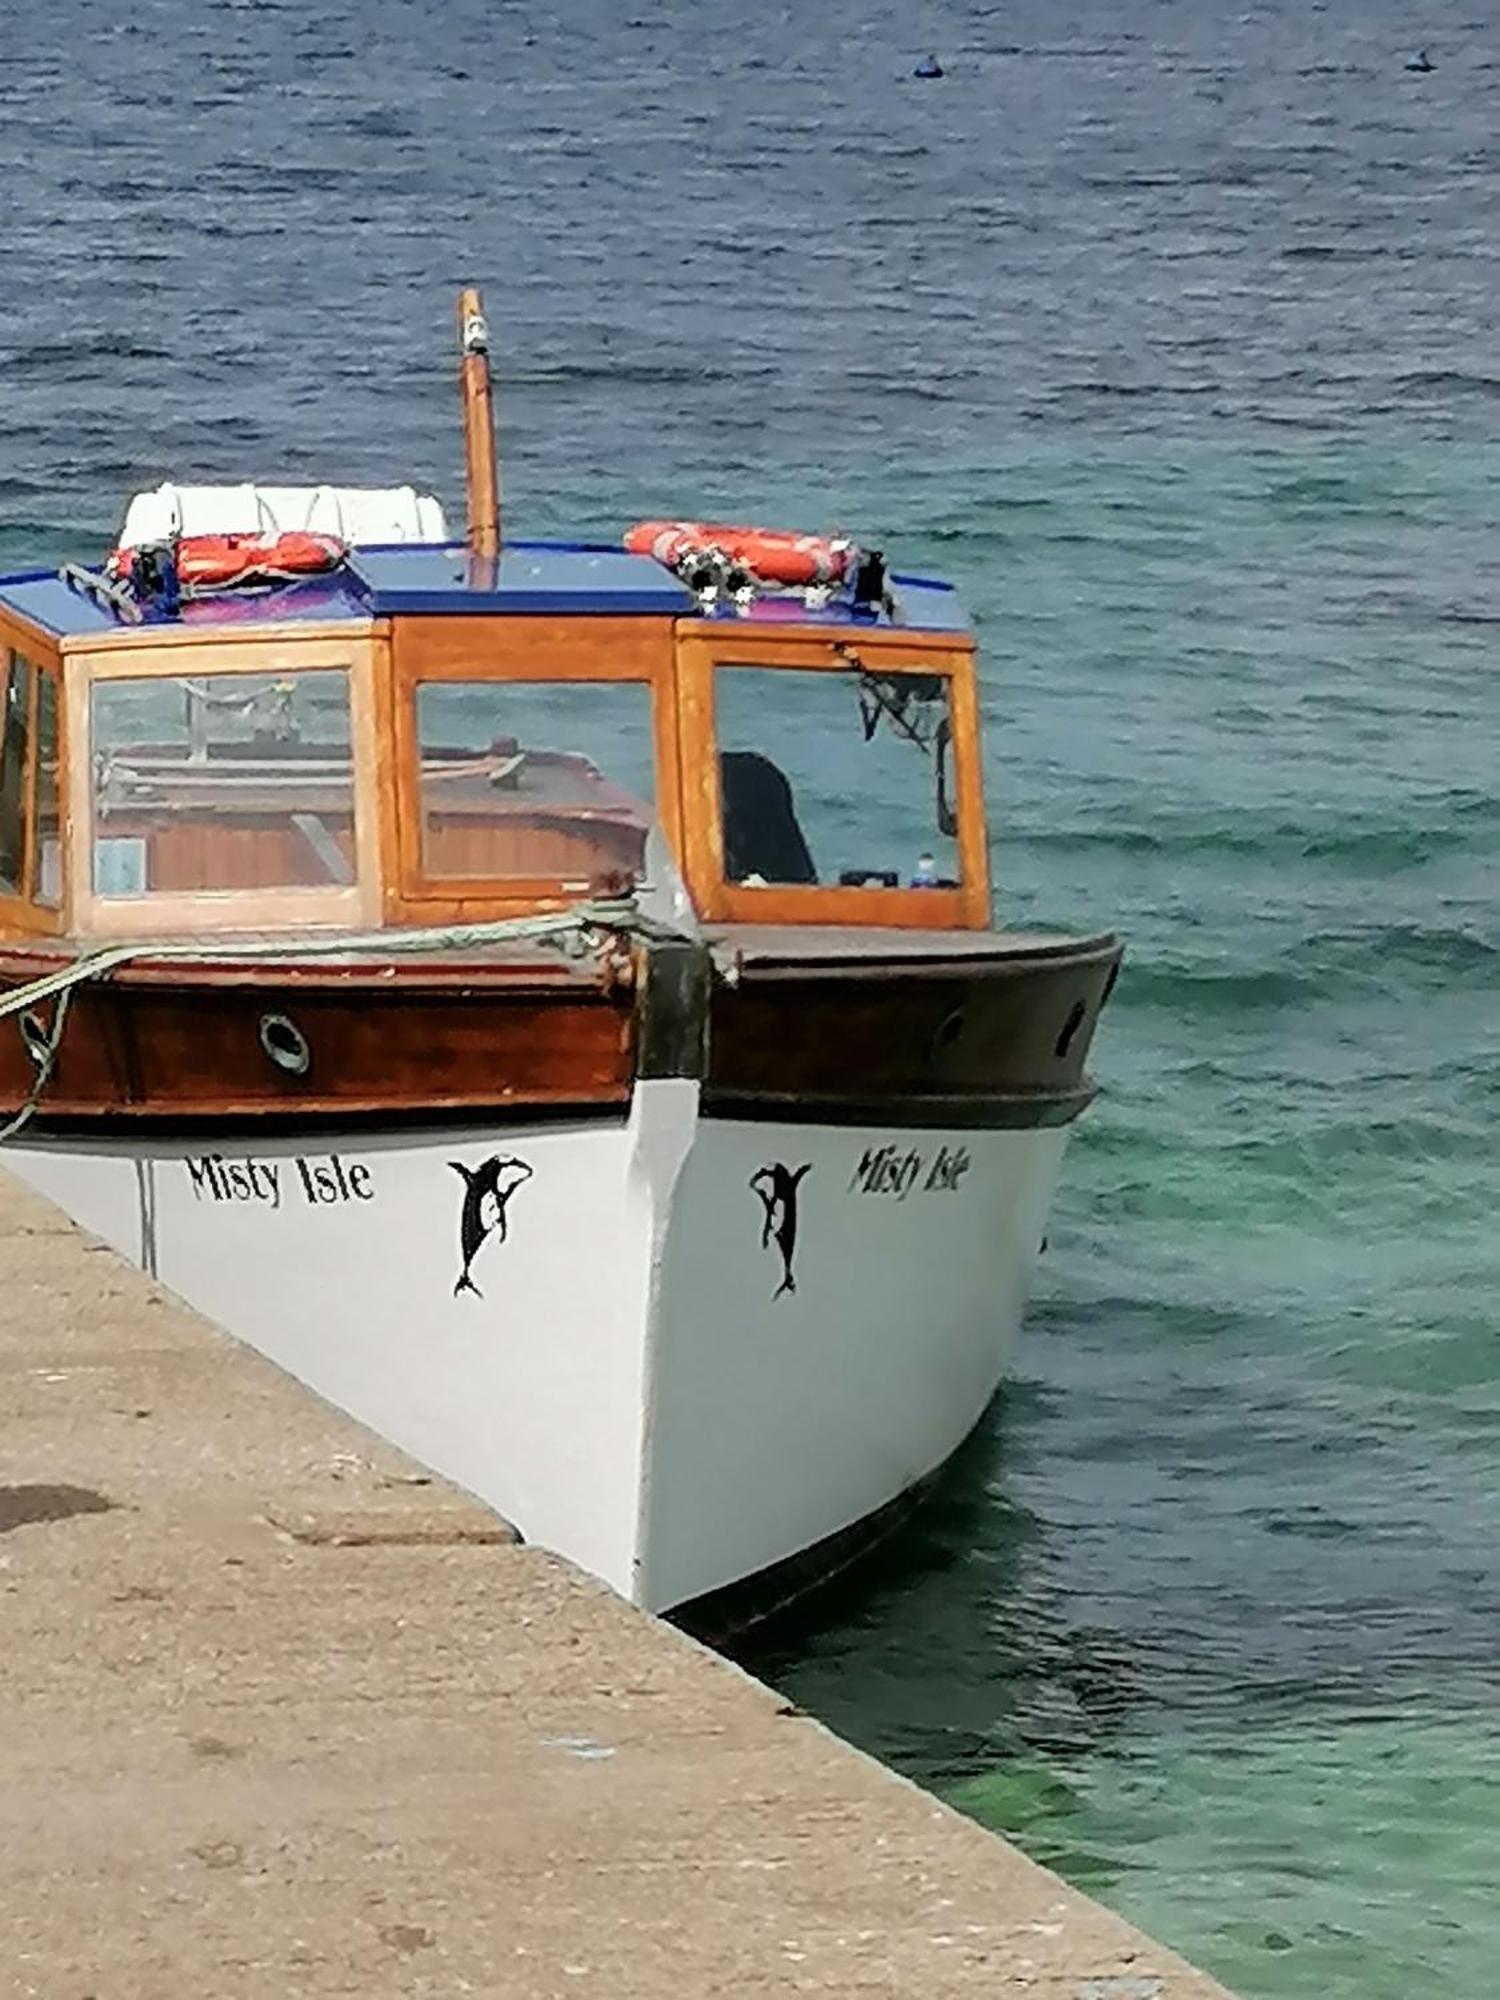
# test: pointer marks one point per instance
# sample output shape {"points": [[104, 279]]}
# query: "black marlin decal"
{"points": [[777, 1187], [487, 1190]]}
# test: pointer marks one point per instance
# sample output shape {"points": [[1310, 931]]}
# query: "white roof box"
{"points": [[357, 515]]}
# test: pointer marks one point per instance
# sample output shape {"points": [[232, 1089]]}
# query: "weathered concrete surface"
{"points": [[276, 1719]]}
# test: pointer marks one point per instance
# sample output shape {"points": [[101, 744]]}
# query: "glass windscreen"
{"points": [[15, 739], [536, 780], [222, 781], [835, 778], [46, 859]]}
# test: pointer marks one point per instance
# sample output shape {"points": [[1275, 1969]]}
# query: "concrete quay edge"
{"points": [[282, 1715]]}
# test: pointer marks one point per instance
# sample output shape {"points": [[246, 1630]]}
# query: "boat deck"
{"points": [[838, 947], [755, 950], [282, 1717]]}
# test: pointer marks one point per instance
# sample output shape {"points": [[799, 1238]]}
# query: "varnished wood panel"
{"points": [[384, 774], [523, 849], [135, 643], [40, 647], [193, 1051], [898, 909], [186, 855], [824, 648], [968, 773], [542, 648]]}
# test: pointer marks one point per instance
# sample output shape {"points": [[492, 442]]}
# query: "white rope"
{"points": [[43, 1052]]}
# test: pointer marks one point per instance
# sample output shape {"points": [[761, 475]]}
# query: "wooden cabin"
{"points": [[426, 736]]}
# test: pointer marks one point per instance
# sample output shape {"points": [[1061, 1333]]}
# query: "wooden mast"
{"points": [[479, 425]]}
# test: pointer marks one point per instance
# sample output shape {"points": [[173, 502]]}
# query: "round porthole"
{"points": [[945, 1034], [1070, 1028], [285, 1044]]}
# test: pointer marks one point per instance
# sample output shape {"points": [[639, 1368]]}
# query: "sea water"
{"points": [[1169, 333]]}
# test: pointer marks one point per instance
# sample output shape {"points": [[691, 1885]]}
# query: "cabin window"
{"points": [[833, 777], [30, 843], [46, 859], [15, 742], [535, 780], [227, 781]]}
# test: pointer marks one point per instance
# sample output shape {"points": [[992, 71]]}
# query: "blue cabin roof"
{"points": [[549, 578]]}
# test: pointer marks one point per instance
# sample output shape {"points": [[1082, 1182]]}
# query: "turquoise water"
{"points": [[1206, 1618], [1168, 332]]}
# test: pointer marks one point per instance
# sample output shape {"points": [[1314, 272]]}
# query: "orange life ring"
{"points": [[777, 555], [204, 561]]}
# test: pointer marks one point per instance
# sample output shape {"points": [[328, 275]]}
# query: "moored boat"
{"points": [[543, 996]]}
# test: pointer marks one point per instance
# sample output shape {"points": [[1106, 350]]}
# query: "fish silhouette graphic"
{"points": [[777, 1185], [487, 1192]]}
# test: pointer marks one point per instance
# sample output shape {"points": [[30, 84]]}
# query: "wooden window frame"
{"points": [[146, 657], [456, 648], [701, 650], [20, 913]]}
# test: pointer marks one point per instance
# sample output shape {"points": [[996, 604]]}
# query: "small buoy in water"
{"points": [[928, 66], [1421, 62]]}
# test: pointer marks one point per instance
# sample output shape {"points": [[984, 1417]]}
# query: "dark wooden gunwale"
{"points": [[983, 1040], [998, 1041]]}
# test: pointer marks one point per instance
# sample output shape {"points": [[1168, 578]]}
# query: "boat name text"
{"points": [[320, 1181], [888, 1170]]}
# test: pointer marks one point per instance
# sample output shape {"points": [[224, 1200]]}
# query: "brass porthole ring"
{"points": [[946, 1034], [285, 1044]]}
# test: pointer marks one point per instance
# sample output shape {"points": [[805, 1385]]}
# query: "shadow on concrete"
{"points": [[24, 1506]]}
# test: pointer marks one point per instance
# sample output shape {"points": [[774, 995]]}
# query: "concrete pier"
{"points": [[281, 1716]]}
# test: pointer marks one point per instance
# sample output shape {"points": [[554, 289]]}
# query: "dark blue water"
{"points": [[1171, 333]]}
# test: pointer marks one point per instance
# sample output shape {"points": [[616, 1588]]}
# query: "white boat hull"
{"points": [[632, 1381]]}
